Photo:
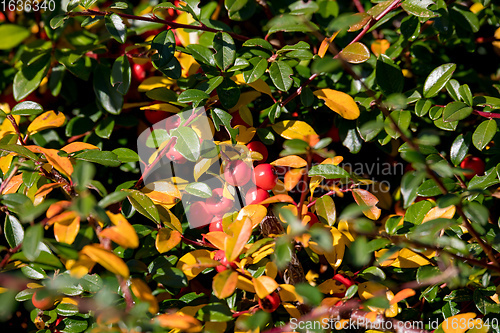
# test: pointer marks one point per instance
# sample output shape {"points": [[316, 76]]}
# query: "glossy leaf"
{"points": [[484, 133], [355, 53], [437, 79], [281, 75], [225, 50], [339, 102]]}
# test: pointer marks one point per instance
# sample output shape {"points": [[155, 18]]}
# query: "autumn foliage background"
{"points": [[378, 118]]}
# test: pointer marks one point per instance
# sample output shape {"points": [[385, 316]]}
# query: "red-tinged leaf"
{"points": [[224, 283], [355, 53], [239, 232], [264, 285], [365, 198]]}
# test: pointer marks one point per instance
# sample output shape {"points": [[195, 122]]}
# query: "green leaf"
{"points": [[201, 190], [105, 127], [201, 54], [214, 312], [83, 173], [477, 212], [221, 117], [464, 18], [172, 70], [329, 171], [355, 53], [188, 143], [12, 35], [281, 75], [106, 158], [310, 294], [402, 120], [143, 204], [116, 27], [32, 241], [27, 108], [389, 77], [228, 92], [20, 150], [484, 133], [91, 283], [194, 96], [466, 94], [30, 77], [121, 75], [290, 23], [260, 43], [225, 50], [418, 8], [422, 107], [460, 148], [429, 188], [416, 213], [106, 95], [126, 155], [164, 43], [240, 10], [119, 5], [456, 111], [325, 209], [409, 186], [73, 324], [14, 232], [437, 79], [282, 252], [112, 198], [258, 67]]}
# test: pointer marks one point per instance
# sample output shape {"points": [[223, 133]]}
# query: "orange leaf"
{"points": [[459, 323], [167, 239], [239, 232], [57, 208], [292, 161], [77, 146], [66, 229], [46, 189], [325, 44], [182, 322], [292, 178], [13, 185], [64, 218], [46, 120], [60, 163], [142, 291], [106, 259], [80, 267], [224, 283], [405, 293], [339, 102], [122, 233], [217, 238], [436, 213], [331, 287], [264, 285], [278, 198], [365, 198], [254, 212], [187, 263], [379, 46]]}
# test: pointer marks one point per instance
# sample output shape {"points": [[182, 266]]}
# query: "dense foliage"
{"points": [[338, 160]]}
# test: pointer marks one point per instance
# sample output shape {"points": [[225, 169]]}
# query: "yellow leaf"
{"points": [[264, 285], [335, 256], [224, 283], [186, 262], [379, 46], [263, 252], [292, 178], [271, 270], [46, 189], [155, 82], [459, 323], [5, 162], [217, 238], [245, 99], [331, 287], [66, 227], [254, 212], [188, 64], [212, 326], [161, 107], [142, 291], [184, 37], [278, 198], [13, 185], [77, 146], [355, 53], [167, 239], [476, 7], [122, 233], [8, 128], [325, 44], [245, 135], [57, 208], [80, 267], [369, 289], [259, 84], [436, 213], [202, 166], [365, 198], [288, 294], [106, 259], [292, 161], [292, 310], [294, 129], [410, 259], [245, 284], [46, 120], [239, 232], [182, 322], [339, 102]]}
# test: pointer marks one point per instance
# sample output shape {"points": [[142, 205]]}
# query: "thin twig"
{"points": [[16, 128]]}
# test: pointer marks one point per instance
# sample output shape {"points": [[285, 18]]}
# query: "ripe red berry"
{"points": [[198, 214], [138, 72], [265, 176], [270, 303], [218, 204], [237, 120], [154, 116], [255, 196], [175, 156], [258, 147], [42, 299], [237, 173], [220, 255], [473, 163], [216, 224]]}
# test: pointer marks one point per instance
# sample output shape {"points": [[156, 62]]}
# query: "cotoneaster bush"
{"points": [[371, 126]]}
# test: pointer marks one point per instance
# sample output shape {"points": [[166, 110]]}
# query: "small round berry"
{"points": [[270, 303], [473, 163], [218, 204], [265, 176], [216, 224], [255, 196], [258, 147], [237, 173]]}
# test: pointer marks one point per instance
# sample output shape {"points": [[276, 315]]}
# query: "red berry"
{"points": [[42, 299], [172, 122], [154, 116], [258, 147], [216, 224], [237, 120], [138, 72], [255, 196], [220, 255], [265, 176], [198, 214], [473, 163], [237, 173], [333, 133], [314, 219], [218, 204], [270, 303]]}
